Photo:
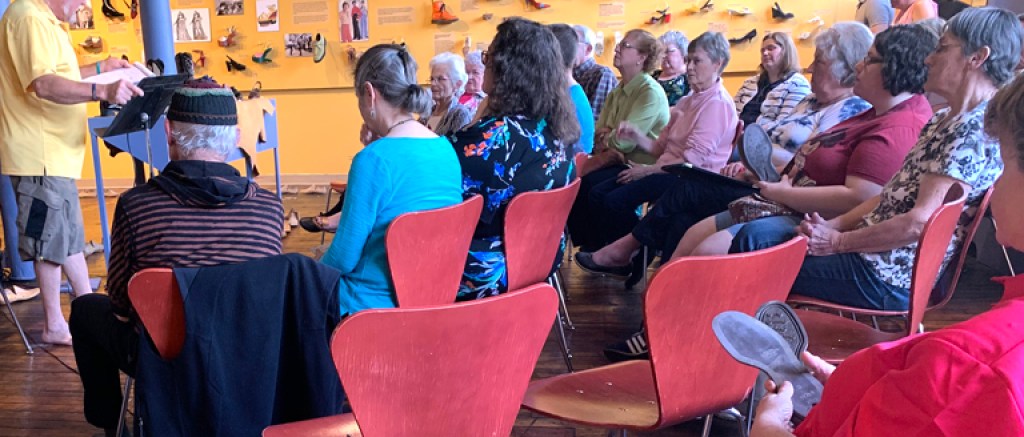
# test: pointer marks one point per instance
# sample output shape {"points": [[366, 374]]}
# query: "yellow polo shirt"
{"points": [[37, 137]]}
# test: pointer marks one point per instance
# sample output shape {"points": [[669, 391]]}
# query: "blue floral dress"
{"points": [[502, 157]]}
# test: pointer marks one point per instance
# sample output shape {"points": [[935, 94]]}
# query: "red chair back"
{"points": [[459, 369], [534, 222], [427, 252], [155, 296], [943, 291], [692, 372], [931, 250]]}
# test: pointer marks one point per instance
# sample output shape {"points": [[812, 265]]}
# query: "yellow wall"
{"points": [[318, 127]]}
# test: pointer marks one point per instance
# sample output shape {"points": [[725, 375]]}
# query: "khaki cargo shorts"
{"points": [[49, 218]]}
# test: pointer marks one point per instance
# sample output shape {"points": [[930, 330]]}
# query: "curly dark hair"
{"points": [[528, 74], [903, 50]]}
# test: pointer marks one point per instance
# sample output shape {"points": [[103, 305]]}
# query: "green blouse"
{"points": [[642, 103]]}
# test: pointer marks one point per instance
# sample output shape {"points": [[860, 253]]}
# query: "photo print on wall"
{"points": [[191, 25], [229, 7], [353, 20], [82, 18], [267, 19], [298, 44]]}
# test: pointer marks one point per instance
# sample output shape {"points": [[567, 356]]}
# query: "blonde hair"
{"points": [[790, 62], [647, 45]]}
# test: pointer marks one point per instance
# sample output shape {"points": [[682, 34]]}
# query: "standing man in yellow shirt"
{"points": [[42, 142]]}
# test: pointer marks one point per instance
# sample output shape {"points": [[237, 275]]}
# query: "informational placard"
{"points": [[310, 12], [443, 42], [611, 9], [392, 16]]}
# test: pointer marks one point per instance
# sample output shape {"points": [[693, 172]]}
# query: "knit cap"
{"points": [[203, 101]]}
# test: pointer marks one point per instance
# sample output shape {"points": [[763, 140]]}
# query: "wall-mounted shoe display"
{"points": [[183, 61], [745, 38], [662, 17], [110, 12], [156, 66], [92, 44], [134, 7], [262, 57], [200, 58], [536, 4], [234, 65], [740, 12], [229, 39], [779, 14], [319, 48], [441, 15]]}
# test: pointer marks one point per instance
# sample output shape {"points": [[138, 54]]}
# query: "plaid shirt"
{"points": [[597, 81]]}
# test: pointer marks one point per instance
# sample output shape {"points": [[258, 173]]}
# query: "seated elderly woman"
{"points": [[834, 170], [803, 188], [864, 258], [447, 81], [473, 95], [904, 387], [422, 173], [520, 143], [700, 132], [672, 76], [693, 198], [774, 92], [639, 100]]}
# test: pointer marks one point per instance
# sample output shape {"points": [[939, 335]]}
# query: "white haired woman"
{"points": [[447, 82], [474, 93]]}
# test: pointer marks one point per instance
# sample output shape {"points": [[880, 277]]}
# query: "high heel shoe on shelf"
{"points": [[441, 14], [779, 14], [234, 65], [537, 4], [319, 48], [110, 12], [263, 57], [745, 38]]}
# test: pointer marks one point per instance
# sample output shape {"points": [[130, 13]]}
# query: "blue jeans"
{"points": [[844, 278]]}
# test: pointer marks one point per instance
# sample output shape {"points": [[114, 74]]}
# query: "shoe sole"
{"points": [[755, 344], [781, 318], [758, 162]]}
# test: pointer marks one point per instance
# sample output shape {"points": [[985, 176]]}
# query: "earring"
{"points": [[373, 113]]}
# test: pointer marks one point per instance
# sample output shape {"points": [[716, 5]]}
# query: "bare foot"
{"points": [[60, 337]]}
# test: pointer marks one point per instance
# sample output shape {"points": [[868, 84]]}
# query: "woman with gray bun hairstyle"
{"points": [[404, 167], [672, 76]]}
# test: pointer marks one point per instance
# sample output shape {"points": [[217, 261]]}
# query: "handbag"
{"points": [[754, 206]]}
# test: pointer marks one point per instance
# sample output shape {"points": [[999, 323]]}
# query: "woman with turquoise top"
{"points": [[404, 167]]}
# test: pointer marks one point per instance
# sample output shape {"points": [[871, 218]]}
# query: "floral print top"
{"points": [[504, 156], [962, 151], [675, 88]]}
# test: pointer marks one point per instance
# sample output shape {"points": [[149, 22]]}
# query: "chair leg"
{"points": [[124, 405], [557, 279], [323, 234], [874, 322], [617, 432], [707, 425], [566, 353], [17, 324]]}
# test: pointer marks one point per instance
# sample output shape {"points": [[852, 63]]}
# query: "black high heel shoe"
{"points": [[110, 12], [183, 61], [778, 14], [708, 6], [745, 38], [234, 65]]}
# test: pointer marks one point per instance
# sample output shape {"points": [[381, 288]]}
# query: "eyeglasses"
{"points": [[624, 45], [868, 60], [484, 58]]}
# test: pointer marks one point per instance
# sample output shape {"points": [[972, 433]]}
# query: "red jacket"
{"points": [[964, 380]]}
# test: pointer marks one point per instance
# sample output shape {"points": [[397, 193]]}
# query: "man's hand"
{"points": [[818, 367], [822, 238], [112, 63], [119, 92], [776, 407]]}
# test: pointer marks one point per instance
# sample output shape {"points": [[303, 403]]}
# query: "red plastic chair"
{"points": [[833, 337], [427, 252], [154, 294], [534, 222], [941, 294], [448, 370], [689, 374]]}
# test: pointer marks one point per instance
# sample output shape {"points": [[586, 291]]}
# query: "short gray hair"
{"points": [[676, 38], [456, 68], [715, 45], [989, 27], [191, 138], [586, 36], [844, 45], [475, 57]]}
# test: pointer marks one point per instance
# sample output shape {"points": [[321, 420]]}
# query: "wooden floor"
{"points": [[40, 394]]}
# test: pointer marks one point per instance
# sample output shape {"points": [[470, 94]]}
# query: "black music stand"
{"points": [[142, 112]]}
